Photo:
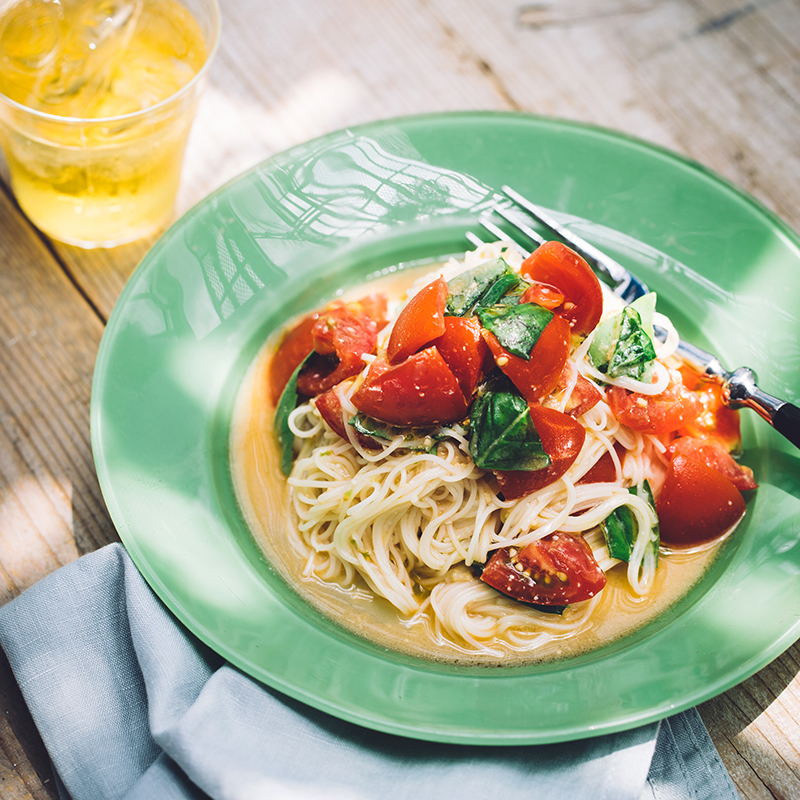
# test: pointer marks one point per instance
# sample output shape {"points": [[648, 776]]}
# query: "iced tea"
{"points": [[96, 101]]}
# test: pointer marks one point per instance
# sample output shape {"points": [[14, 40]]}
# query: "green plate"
{"points": [[322, 216]]}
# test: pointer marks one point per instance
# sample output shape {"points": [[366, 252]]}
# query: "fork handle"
{"points": [[740, 390], [787, 422]]}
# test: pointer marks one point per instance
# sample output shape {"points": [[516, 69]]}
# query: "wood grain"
{"points": [[715, 80]]}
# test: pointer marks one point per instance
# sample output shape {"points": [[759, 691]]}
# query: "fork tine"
{"points": [[519, 225], [500, 234], [473, 239], [625, 285]]}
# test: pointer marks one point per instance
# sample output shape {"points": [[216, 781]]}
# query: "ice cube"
{"points": [[81, 69], [29, 37]]}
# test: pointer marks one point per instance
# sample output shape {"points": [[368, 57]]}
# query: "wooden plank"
{"points": [[51, 508]]}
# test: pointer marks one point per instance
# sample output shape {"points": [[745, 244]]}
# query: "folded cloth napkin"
{"points": [[130, 705]]}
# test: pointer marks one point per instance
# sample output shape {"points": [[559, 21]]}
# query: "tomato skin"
{"points": [[296, 345], [565, 565], [713, 454], [696, 504], [554, 264], [463, 349], [604, 470], [562, 438], [656, 414], [421, 390], [419, 323], [537, 377]]}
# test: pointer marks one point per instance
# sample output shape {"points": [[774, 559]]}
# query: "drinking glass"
{"points": [[109, 174]]}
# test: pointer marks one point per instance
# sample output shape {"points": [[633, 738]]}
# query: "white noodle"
{"points": [[410, 523]]}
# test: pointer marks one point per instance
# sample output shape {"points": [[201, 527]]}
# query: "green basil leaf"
{"points": [[507, 282], [286, 404], [503, 436], [517, 328], [481, 285], [634, 349], [645, 491], [620, 529], [622, 345]]}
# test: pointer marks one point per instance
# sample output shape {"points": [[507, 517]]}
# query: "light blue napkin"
{"points": [[130, 705]]}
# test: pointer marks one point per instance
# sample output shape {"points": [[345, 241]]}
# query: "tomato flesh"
{"points": [[538, 376], [339, 333], [543, 295], [697, 504], [421, 390], [584, 395], [562, 438], [554, 264], [463, 349], [656, 414], [341, 336], [714, 420], [713, 454], [419, 323], [557, 570]]}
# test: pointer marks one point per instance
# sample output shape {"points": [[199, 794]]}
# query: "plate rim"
{"points": [[432, 733]]}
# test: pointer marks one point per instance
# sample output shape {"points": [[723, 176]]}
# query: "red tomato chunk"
{"points": [[696, 504], [538, 376], [421, 390], [556, 266], [557, 570], [419, 323]]}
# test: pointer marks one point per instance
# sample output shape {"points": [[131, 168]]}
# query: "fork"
{"points": [[739, 387]]}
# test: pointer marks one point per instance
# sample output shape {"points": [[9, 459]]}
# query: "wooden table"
{"points": [[715, 80]]}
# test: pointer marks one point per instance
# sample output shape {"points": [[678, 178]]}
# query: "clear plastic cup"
{"points": [[101, 181]]}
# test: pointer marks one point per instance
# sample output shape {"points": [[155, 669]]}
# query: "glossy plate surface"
{"points": [[284, 238]]}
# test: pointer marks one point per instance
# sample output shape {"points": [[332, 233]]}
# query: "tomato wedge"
{"points": [[557, 570], [463, 349], [375, 306], [562, 438], [419, 323], [657, 414], [604, 469], [537, 377], [713, 454], [696, 504], [421, 390], [555, 265]]}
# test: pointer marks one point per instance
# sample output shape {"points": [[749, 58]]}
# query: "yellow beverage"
{"points": [[96, 101]]}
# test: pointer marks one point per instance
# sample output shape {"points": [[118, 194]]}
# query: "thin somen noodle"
{"points": [[405, 512]]}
